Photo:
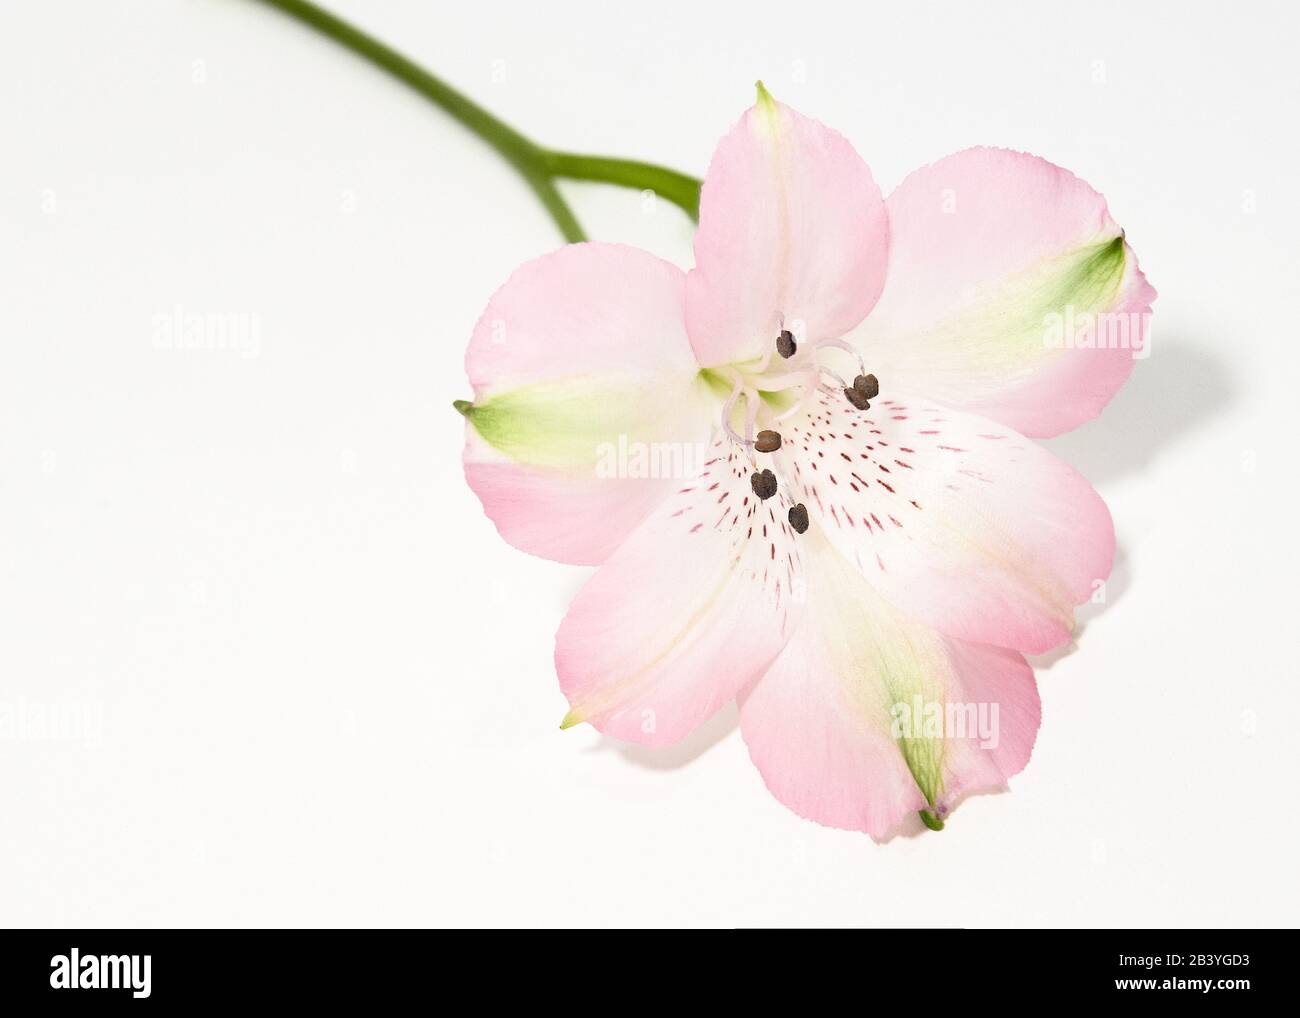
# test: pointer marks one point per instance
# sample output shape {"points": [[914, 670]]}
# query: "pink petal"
{"points": [[693, 606], [999, 264], [953, 518], [580, 362], [792, 233], [820, 725]]}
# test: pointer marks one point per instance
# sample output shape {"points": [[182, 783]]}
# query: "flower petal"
{"points": [[692, 607], [1000, 264], [953, 518], [868, 717], [792, 234], [579, 362]]}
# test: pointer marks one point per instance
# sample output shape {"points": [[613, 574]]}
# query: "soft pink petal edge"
{"points": [[982, 245]]}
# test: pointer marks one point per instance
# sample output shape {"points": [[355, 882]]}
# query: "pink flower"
{"points": [[868, 589]]}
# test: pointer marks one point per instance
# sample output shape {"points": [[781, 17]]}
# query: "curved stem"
{"points": [[538, 166], [678, 188], [551, 200]]}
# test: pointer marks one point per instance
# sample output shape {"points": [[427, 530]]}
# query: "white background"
{"points": [[301, 679]]}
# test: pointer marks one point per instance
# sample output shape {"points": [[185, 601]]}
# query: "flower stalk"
{"points": [[540, 167]]}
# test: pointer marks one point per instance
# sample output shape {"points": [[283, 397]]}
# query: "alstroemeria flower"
{"points": [[900, 548]]}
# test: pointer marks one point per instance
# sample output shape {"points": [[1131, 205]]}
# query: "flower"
{"points": [[869, 542]]}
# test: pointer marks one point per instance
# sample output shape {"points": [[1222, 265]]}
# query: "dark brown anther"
{"points": [[764, 483], [799, 518], [785, 344], [767, 441], [867, 385], [857, 399]]}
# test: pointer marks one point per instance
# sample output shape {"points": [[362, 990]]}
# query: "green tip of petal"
{"points": [[764, 96], [463, 406], [571, 719], [930, 820]]}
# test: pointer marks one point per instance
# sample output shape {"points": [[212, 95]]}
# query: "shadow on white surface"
{"points": [[691, 748], [1175, 392], [1180, 388]]}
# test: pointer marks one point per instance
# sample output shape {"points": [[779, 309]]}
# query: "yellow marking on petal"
{"points": [[885, 661], [1011, 321], [565, 423]]}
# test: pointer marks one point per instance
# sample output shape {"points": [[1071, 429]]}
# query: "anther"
{"points": [[867, 385], [856, 397], [764, 483], [799, 518], [767, 441], [785, 344]]}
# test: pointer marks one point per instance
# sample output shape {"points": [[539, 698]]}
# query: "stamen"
{"points": [[812, 379], [737, 386], [827, 371], [751, 414], [855, 397], [840, 344], [867, 385], [768, 441], [764, 484], [810, 394]]}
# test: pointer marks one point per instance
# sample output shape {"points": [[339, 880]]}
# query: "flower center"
{"points": [[806, 375]]}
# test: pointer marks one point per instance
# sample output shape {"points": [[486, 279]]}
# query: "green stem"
{"points": [[538, 166], [676, 187]]}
